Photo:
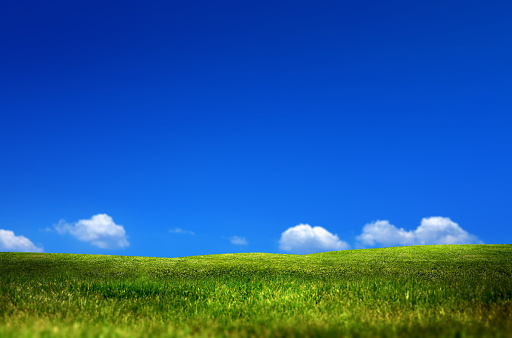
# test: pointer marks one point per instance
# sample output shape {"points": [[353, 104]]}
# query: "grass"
{"points": [[451, 290]]}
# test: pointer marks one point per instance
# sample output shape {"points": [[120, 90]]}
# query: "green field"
{"points": [[451, 290]]}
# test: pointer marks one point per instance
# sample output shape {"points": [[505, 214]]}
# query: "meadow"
{"points": [[442, 290]]}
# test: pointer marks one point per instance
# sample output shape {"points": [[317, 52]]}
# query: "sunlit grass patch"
{"points": [[423, 290]]}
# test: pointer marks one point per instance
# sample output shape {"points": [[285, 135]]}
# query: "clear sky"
{"points": [[177, 128]]}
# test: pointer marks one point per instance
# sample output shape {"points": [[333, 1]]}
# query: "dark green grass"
{"points": [[453, 290]]}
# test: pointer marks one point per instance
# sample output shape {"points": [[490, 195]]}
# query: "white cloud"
{"points": [[383, 233], [181, 231], [442, 230], [432, 230], [100, 231], [10, 242], [305, 239], [236, 240]]}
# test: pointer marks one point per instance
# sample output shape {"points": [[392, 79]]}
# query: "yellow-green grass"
{"points": [[446, 290]]}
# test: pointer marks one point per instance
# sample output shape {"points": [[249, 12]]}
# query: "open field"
{"points": [[452, 290]]}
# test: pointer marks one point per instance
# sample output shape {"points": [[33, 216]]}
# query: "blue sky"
{"points": [[184, 128]]}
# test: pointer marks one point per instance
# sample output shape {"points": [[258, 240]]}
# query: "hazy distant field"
{"points": [[408, 291]]}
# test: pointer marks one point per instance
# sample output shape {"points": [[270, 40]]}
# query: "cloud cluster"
{"points": [[237, 240], [304, 239], [100, 231], [10, 242], [432, 230]]}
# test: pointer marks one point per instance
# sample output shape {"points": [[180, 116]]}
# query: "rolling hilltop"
{"points": [[443, 290]]}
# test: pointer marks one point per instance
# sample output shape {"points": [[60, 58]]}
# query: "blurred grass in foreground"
{"points": [[445, 290]]}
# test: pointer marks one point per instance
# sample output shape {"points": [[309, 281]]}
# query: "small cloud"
{"points": [[442, 230], [386, 234], [237, 240], [181, 231], [432, 230], [10, 242], [305, 239], [100, 231]]}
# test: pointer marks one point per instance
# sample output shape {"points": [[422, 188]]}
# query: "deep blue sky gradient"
{"points": [[246, 118]]}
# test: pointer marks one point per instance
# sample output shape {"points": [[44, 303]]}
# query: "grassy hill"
{"points": [[452, 290]]}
